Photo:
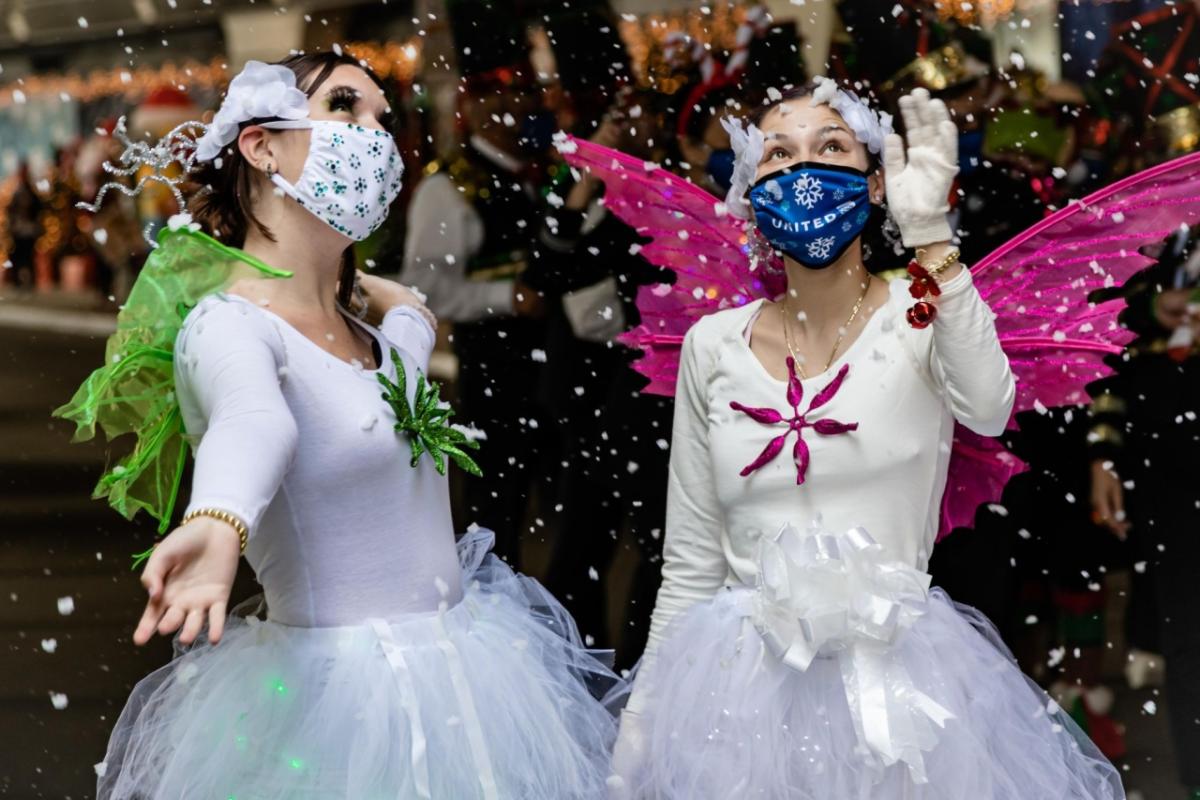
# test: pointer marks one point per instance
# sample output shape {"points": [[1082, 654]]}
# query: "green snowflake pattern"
{"points": [[426, 422]]}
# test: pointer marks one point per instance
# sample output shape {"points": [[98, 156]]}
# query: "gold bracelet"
{"points": [[947, 261], [224, 516]]}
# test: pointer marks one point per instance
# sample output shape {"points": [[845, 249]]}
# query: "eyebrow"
{"points": [[820, 132]]}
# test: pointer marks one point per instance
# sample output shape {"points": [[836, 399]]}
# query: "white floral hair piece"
{"points": [[747, 142], [260, 91], [870, 127]]}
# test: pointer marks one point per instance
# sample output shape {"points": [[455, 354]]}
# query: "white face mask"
{"points": [[350, 178]]}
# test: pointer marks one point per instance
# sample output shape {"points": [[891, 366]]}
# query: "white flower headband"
{"points": [[870, 127], [260, 91]]}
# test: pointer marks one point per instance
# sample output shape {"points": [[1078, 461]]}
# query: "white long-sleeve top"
{"points": [[905, 388], [301, 446]]}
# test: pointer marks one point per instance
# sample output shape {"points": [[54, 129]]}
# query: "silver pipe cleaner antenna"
{"points": [[177, 147]]}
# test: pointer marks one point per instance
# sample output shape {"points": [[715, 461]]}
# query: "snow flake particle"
{"points": [[1056, 656], [66, 605]]}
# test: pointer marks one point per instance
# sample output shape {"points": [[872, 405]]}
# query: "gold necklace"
{"points": [[787, 336]]}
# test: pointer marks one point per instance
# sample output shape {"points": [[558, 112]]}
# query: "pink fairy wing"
{"points": [[979, 469], [691, 235], [1038, 285]]}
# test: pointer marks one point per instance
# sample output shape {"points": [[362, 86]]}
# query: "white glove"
{"points": [[918, 192], [628, 755]]}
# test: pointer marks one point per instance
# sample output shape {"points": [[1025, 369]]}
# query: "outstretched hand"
{"points": [[189, 577], [918, 181]]}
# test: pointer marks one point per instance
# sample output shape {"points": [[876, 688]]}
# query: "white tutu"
{"points": [[489, 699], [725, 718]]}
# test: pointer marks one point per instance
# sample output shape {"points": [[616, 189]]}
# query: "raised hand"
{"points": [[918, 183], [188, 577]]}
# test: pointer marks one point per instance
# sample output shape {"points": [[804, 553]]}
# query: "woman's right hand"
{"points": [[189, 577], [1108, 499]]}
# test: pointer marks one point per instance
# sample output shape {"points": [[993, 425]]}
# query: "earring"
{"points": [[270, 170]]}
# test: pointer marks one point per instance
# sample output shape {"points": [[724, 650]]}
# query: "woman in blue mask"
{"points": [[796, 648]]}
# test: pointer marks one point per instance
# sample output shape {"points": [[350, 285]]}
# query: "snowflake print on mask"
{"points": [[821, 247], [808, 190]]}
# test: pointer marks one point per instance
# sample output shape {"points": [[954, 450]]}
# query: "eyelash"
{"points": [[342, 100], [776, 151]]}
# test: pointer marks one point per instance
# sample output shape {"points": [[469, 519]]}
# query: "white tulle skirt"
{"points": [[726, 719], [491, 699]]}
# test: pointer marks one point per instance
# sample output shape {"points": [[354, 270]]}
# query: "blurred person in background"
{"points": [[24, 217], [1144, 432], [471, 223], [617, 439]]}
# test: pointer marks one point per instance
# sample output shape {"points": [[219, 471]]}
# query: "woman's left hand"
{"points": [[918, 187], [383, 295]]}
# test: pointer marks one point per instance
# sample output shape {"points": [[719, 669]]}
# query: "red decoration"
{"points": [[923, 285], [920, 315]]}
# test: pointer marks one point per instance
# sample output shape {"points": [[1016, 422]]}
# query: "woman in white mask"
{"points": [[388, 663]]}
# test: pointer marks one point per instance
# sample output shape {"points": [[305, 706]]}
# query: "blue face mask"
{"points": [[812, 211], [720, 167]]}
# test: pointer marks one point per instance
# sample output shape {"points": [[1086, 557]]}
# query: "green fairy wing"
{"points": [[134, 390]]}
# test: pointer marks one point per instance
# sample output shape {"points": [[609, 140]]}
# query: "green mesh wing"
{"points": [[134, 391]]}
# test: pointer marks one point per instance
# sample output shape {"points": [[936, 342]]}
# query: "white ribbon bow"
{"points": [[839, 594]]}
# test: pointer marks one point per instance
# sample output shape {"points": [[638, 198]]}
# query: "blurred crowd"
{"points": [[534, 282]]}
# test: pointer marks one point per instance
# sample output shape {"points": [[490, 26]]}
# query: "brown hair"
{"points": [[222, 204]]}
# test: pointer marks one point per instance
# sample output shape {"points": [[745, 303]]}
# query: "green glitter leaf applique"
{"points": [[427, 421]]}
